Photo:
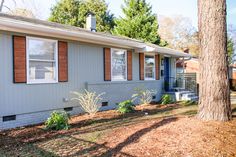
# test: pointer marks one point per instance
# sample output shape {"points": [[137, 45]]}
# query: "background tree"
{"points": [[214, 100], [179, 32], [138, 22], [20, 8], [22, 12], [3, 5], [231, 44], [230, 50], [73, 12]]}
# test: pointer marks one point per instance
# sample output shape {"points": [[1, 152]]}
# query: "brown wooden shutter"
{"points": [[62, 61], [19, 59], [129, 66], [141, 66], [157, 66], [107, 64]]}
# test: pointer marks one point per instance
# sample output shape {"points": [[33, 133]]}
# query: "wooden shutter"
{"points": [[129, 66], [157, 66], [141, 66], [19, 59], [107, 64], [62, 61]]}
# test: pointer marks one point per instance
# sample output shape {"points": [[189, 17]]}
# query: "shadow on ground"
{"points": [[81, 139]]}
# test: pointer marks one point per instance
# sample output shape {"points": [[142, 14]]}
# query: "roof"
{"points": [[38, 27]]}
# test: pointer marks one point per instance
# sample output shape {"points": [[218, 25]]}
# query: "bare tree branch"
{"points": [[7, 7]]}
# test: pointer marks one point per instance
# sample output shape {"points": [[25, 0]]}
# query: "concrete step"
{"points": [[183, 94], [194, 98], [189, 95]]}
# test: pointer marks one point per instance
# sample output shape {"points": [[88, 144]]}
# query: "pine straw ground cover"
{"points": [[154, 130]]}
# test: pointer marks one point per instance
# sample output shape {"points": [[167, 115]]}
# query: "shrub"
{"points": [[58, 120], [126, 106], [166, 99], [89, 101], [144, 95]]}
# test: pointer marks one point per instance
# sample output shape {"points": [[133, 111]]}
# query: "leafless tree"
{"points": [[2, 5], [179, 32]]}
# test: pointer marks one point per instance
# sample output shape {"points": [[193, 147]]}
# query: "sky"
{"points": [[186, 8]]}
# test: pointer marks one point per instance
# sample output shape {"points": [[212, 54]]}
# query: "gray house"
{"points": [[42, 62]]}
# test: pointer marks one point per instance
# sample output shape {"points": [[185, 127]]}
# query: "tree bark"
{"points": [[214, 94]]}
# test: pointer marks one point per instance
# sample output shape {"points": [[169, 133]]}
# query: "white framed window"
{"points": [[118, 65], [42, 60], [149, 67]]}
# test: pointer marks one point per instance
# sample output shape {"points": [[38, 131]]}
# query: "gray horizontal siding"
{"points": [[85, 65], [85, 68], [32, 103]]}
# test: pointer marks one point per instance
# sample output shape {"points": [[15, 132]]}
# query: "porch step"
{"points": [[186, 95], [178, 89], [194, 98]]}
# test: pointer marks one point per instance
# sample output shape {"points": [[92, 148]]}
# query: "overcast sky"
{"points": [[186, 8]]}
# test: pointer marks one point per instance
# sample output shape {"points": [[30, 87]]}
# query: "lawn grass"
{"points": [[86, 137]]}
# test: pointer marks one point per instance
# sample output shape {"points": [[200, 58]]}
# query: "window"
{"points": [[119, 65], [41, 60], [149, 67]]}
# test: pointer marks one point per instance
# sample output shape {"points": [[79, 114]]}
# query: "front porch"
{"points": [[181, 86]]}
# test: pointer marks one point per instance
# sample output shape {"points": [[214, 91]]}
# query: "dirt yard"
{"points": [[154, 130]]}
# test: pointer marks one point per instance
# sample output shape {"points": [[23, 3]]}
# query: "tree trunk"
{"points": [[214, 94], [1, 5]]}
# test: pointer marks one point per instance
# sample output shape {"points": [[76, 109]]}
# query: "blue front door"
{"points": [[166, 73]]}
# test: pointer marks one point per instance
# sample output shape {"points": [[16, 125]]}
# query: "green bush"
{"points": [[166, 99], [126, 106], [58, 120]]}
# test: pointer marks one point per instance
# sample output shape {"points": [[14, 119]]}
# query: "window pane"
{"points": [[41, 70], [149, 60], [149, 67], [118, 65], [41, 49], [119, 72]]}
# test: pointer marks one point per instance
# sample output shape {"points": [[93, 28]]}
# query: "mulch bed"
{"points": [[169, 136], [174, 137]]}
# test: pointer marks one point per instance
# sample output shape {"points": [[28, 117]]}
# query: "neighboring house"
{"points": [[42, 62], [192, 66], [188, 66], [232, 76]]}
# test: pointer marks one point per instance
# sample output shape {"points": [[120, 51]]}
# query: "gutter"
{"points": [[12, 25], [35, 27]]}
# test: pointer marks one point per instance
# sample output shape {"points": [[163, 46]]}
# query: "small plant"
{"points": [[144, 95], [166, 99], [58, 120], [126, 107], [89, 101]]}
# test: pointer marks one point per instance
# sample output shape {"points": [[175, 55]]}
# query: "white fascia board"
{"points": [[163, 50], [18, 26]]}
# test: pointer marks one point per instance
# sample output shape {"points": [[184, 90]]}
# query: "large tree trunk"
{"points": [[214, 94]]}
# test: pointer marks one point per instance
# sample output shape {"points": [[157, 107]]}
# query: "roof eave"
{"points": [[164, 51], [18, 26]]}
